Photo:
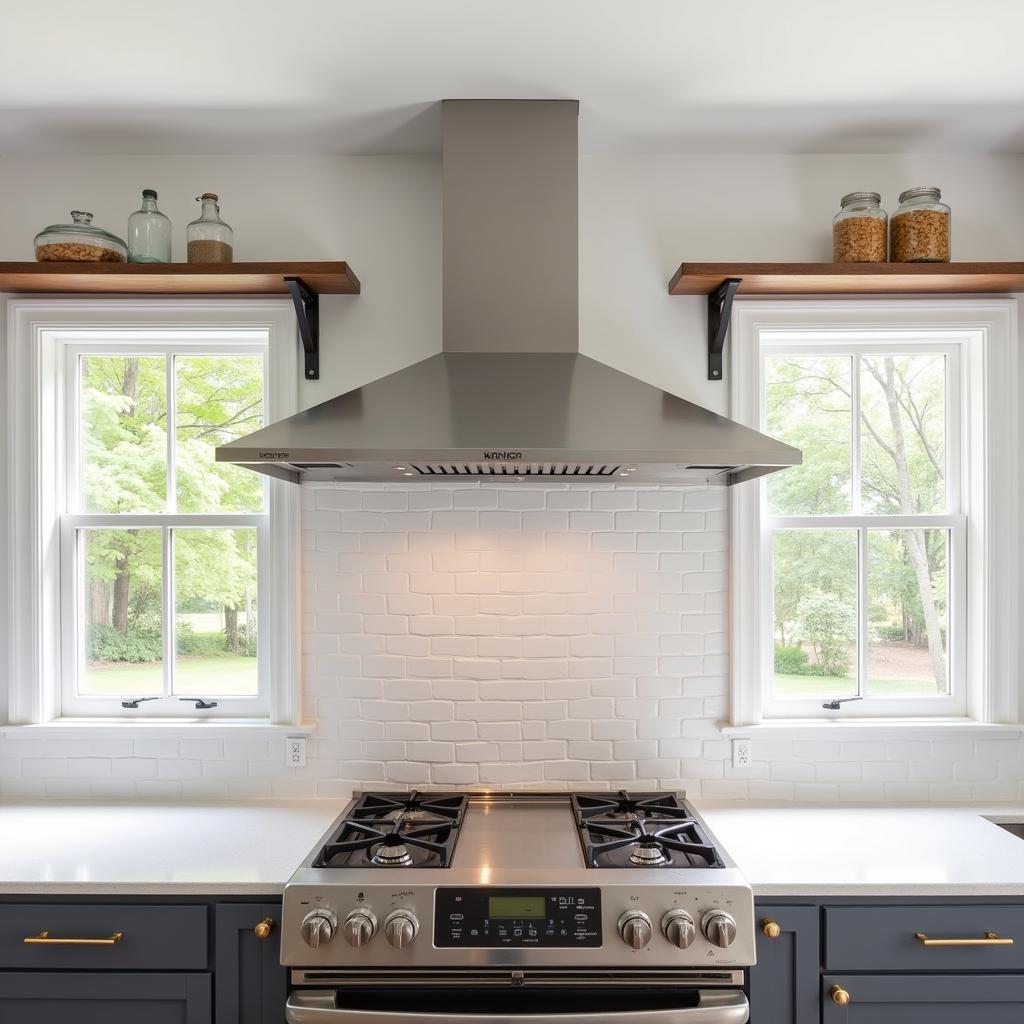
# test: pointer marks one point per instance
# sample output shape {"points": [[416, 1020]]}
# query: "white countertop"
{"points": [[240, 849], [864, 851], [253, 848]]}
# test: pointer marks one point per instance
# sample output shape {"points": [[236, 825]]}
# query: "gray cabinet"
{"points": [[104, 997], [784, 983], [251, 983], [923, 999]]}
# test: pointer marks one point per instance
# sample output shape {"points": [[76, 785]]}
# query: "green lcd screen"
{"points": [[518, 907]]}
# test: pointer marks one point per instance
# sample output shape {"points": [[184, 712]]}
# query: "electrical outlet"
{"points": [[741, 755], [295, 751]]}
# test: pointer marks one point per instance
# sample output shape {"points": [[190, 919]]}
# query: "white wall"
{"points": [[639, 218]]}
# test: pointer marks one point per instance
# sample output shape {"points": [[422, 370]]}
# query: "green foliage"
{"points": [[792, 661], [829, 625], [107, 644]]}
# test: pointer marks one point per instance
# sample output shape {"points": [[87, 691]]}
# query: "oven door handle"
{"points": [[716, 1006]]}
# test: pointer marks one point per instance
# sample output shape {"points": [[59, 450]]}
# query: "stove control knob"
{"points": [[679, 928], [400, 928], [635, 928], [319, 926], [719, 928], [360, 926]]}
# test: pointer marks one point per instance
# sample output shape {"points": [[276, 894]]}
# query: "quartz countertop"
{"points": [[131, 849], [253, 848], [872, 851]]}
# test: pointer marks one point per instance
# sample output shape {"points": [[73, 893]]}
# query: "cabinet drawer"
{"points": [[166, 938], [885, 938]]}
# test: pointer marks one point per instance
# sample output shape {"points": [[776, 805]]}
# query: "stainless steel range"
{"points": [[564, 907]]}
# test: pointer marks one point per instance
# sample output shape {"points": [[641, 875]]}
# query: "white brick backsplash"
{"points": [[535, 636]]}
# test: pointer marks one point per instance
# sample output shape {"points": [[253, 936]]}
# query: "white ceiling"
{"points": [[340, 76]]}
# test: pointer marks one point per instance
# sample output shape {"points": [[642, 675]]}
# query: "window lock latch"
{"points": [[200, 703], [836, 704], [136, 702]]}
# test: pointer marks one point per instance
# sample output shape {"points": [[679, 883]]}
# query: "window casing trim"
{"points": [[37, 333], [986, 333]]}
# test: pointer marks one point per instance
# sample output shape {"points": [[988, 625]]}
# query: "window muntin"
{"points": [[163, 550], [864, 545]]}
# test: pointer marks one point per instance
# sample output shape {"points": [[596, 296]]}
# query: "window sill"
{"points": [[171, 728], [860, 728]]}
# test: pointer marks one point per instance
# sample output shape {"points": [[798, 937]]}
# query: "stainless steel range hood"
{"points": [[510, 395]]}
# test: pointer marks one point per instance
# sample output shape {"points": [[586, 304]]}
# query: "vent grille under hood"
{"points": [[510, 395]]}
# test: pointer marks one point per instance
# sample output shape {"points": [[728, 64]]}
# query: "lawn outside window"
{"points": [[163, 577], [867, 575]]}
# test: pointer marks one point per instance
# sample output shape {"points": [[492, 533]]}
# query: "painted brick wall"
{"points": [[517, 636]]}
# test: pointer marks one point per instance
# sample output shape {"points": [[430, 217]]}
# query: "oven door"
{"points": [[469, 1004]]}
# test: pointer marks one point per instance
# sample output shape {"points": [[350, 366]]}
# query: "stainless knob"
{"points": [[635, 928], [319, 926], [718, 928], [679, 928], [400, 928], [360, 926]]}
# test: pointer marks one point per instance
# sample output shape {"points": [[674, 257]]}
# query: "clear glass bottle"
{"points": [[920, 227], [210, 240], [81, 241], [149, 232], [860, 229]]}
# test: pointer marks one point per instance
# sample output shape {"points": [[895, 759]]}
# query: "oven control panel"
{"points": [[486, 918]]}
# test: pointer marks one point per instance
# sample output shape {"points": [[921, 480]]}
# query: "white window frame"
{"points": [[980, 340], [44, 340]]}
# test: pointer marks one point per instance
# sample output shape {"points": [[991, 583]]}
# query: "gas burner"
{"points": [[642, 830], [392, 856], [392, 830]]}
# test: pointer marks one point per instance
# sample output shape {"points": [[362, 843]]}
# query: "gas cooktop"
{"points": [[455, 880]]}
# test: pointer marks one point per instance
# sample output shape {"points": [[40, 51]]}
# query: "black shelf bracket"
{"points": [[719, 311], [307, 313]]}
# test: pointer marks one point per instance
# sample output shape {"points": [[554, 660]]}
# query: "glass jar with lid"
{"points": [[860, 229], [209, 239], [920, 227], [79, 242]]}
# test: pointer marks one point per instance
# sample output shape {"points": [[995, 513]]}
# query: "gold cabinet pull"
{"points": [[839, 995], [770, 929], [989, 939], [44, 939], [264, 928]]}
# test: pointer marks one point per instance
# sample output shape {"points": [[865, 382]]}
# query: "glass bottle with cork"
{"points": [[210, 240], [149, 232]]}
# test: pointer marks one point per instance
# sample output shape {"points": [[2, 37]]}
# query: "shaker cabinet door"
{"points": [[252, 986], [784, 982], [922, 999], [104, 997]]}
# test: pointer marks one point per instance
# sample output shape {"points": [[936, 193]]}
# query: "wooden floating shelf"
{"points": [[849, 278], [175, 278]]}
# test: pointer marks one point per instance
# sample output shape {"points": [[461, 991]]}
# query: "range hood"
{"points": [[510, 395]]}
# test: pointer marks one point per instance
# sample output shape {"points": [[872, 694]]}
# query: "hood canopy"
{"points": [[510, 395]]}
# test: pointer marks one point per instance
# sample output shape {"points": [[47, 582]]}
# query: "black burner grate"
{"points": [[640, 830], [414, 830]]}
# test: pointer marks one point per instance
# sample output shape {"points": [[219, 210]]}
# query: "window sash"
{"points": [[952, 704], [226, 343]]}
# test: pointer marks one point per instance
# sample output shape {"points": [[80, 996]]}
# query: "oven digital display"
{"points": [[517, 907]]}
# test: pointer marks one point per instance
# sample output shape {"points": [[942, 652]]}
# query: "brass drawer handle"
{"points": [[770, 928], [990, 939], [264, 928], [839, 995], [44, 939]]}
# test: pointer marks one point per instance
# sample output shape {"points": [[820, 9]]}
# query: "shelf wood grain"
{"points": [[850, 278], [175, 278]]}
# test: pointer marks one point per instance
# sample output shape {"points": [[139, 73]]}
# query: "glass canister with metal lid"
{"points": [[79, 242], [860, 229], [920, 227]]}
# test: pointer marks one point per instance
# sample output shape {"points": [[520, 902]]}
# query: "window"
{"points": [[865, 572], [163, 575]]}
